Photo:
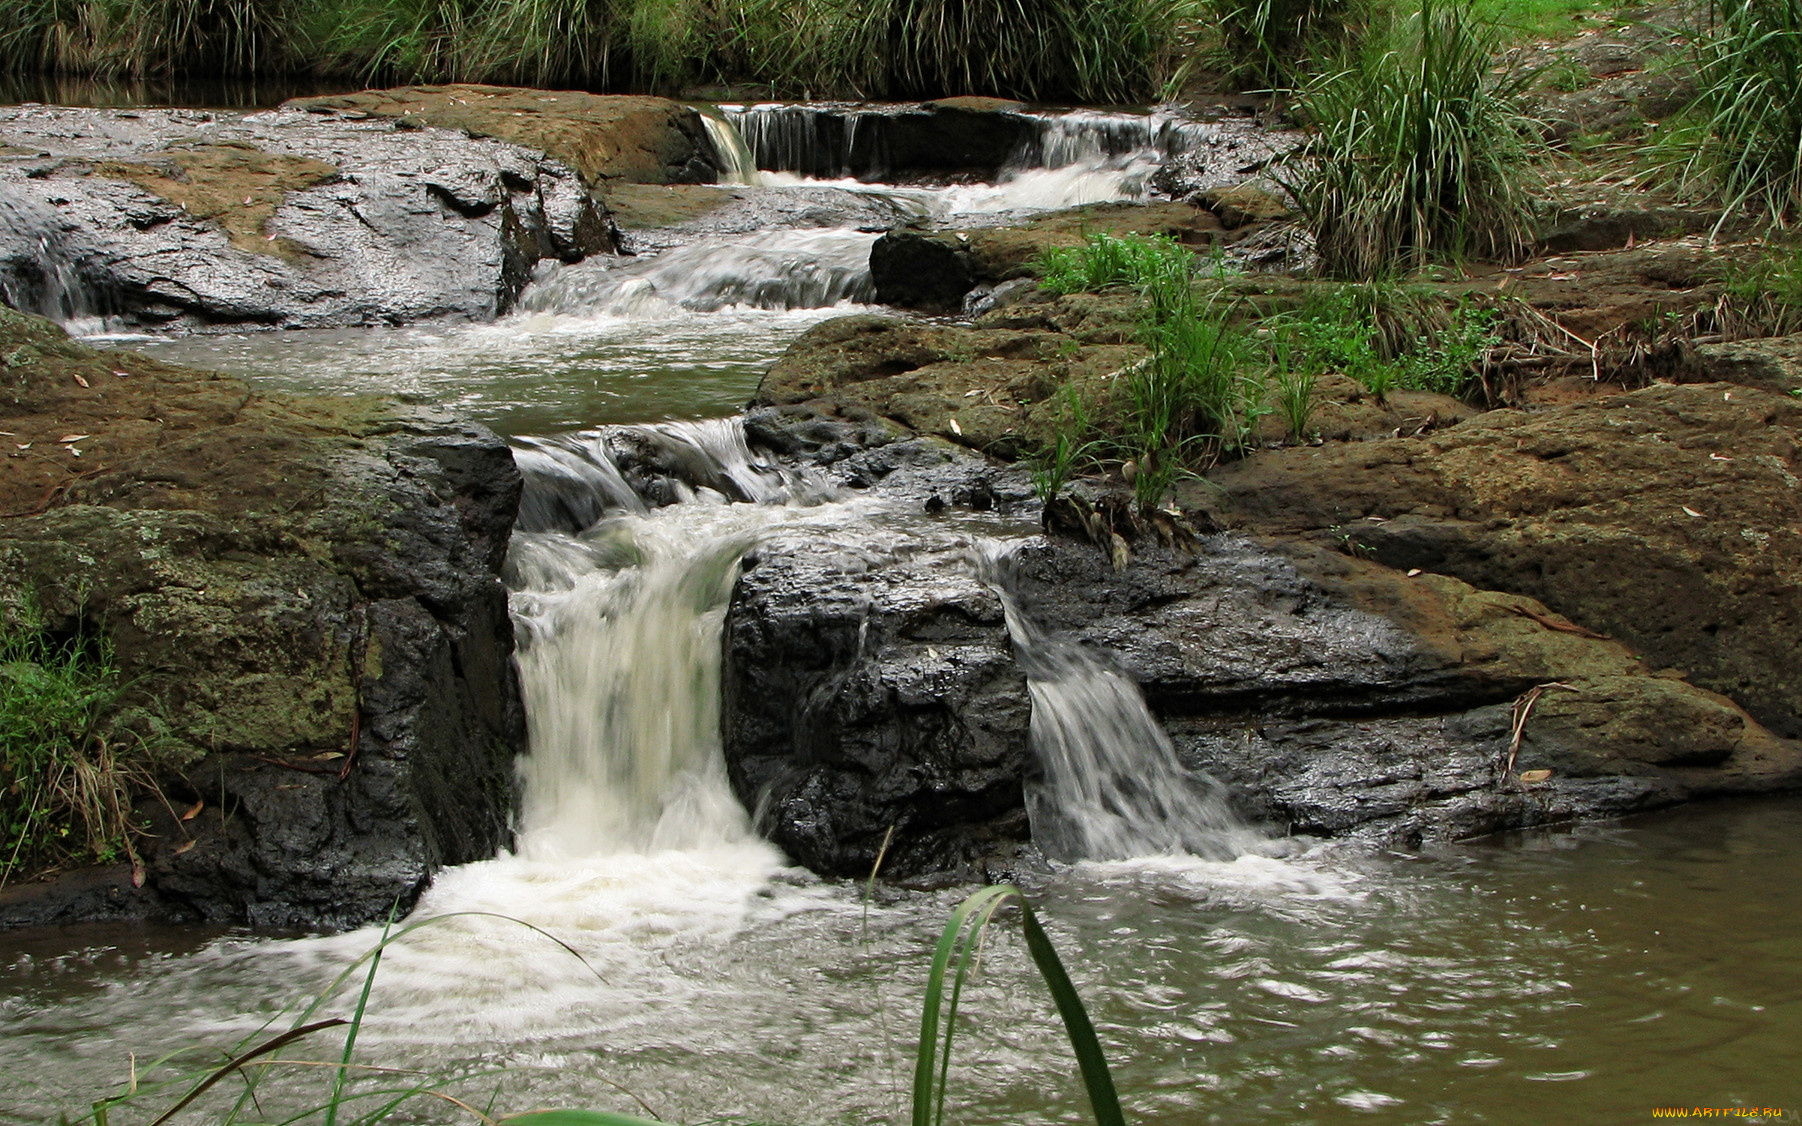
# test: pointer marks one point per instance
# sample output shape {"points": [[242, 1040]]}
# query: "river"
{"points": [[1581, 975]]}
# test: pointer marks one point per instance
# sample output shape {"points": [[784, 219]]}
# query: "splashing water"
{"points": [[1113, 788]]}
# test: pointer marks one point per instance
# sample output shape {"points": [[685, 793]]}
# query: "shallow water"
{"points": [[1582, 976]]}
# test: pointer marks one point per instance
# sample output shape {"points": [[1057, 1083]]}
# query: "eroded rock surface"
{"points": [[303, 595], [606, 137], [872, 685], [1670, 518], [184, 219]]}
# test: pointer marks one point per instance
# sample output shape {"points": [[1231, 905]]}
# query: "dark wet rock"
{"points": [[628, 138], [885, 142], [304, 597], [290, 219], [1667, 518], [1332, 695], [865, 694]]}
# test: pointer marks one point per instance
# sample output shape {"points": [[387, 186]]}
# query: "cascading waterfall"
{"points": [[37, 272], [736, 163], [619, 636], [777, 270], [1113, 788]]}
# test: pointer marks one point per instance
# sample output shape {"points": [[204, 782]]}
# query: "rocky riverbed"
{"points": [[1432, 620]]}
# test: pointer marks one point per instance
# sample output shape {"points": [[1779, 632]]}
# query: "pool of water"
{"points": [[1586, 975]]}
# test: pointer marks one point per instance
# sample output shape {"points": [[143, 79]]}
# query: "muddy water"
{"points": [[1585, 976]]}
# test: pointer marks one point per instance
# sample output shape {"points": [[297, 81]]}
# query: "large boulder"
{"points": [[873, 688], [303, 597], [290, 219], [626, 138], [1669, 518]]}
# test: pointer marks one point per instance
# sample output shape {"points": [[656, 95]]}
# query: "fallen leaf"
{"points": [[1718, 457], [67, 438], [1413, 571], [23, 445], [183, 847], [956, 429], [326, 756], [122, 374], [73, 452], [1535, 775], [80, 380], [1692, 512], [193, 811], [248, 201], [1727, 395], [137, 873]]}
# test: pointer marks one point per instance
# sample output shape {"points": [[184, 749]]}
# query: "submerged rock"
{"points": [[286, 218], [303, 596]]}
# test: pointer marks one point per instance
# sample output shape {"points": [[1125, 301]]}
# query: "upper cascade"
{"points": [[805, 269]]}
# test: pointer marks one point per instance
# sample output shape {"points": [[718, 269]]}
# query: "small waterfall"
{"points": [[809, 140], [1113, 788], [736, 164], [779, 270], [618, 607], [37, 270]]}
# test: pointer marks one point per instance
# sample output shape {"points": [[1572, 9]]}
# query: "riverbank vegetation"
{"points": [[68, 767], [1078, 50]]}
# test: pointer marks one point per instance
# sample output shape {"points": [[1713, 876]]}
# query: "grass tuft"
{"points": [[68, 767], [1743, 132], [1416, 148]]}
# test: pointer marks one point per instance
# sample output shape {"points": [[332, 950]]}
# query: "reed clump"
{"points": [[1742, 135], [1416, 148], [69, 765]]}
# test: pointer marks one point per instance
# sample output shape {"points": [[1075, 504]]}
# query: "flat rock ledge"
{"points": [[304, 598], [291, 219]]}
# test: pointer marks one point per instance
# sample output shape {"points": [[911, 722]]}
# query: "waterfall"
{"points": [[618, 607], [37, 270], [1112, 786], [732, 154], [778, 270]]}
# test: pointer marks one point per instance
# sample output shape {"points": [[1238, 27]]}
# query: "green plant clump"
{"points": [[1416, 149], [66, 777], [1387, 338], [1743, 132], [1262, 43]]}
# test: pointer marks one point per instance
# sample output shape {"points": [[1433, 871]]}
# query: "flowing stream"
{"points": [[1582, 976]]}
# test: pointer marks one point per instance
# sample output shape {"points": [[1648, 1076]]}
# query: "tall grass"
{"points": [[391, 1094], [1265, 43], [1743, 133], [1080, 50], [147, 38], [1200, 392], [68, 770], [1416, 148]]}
